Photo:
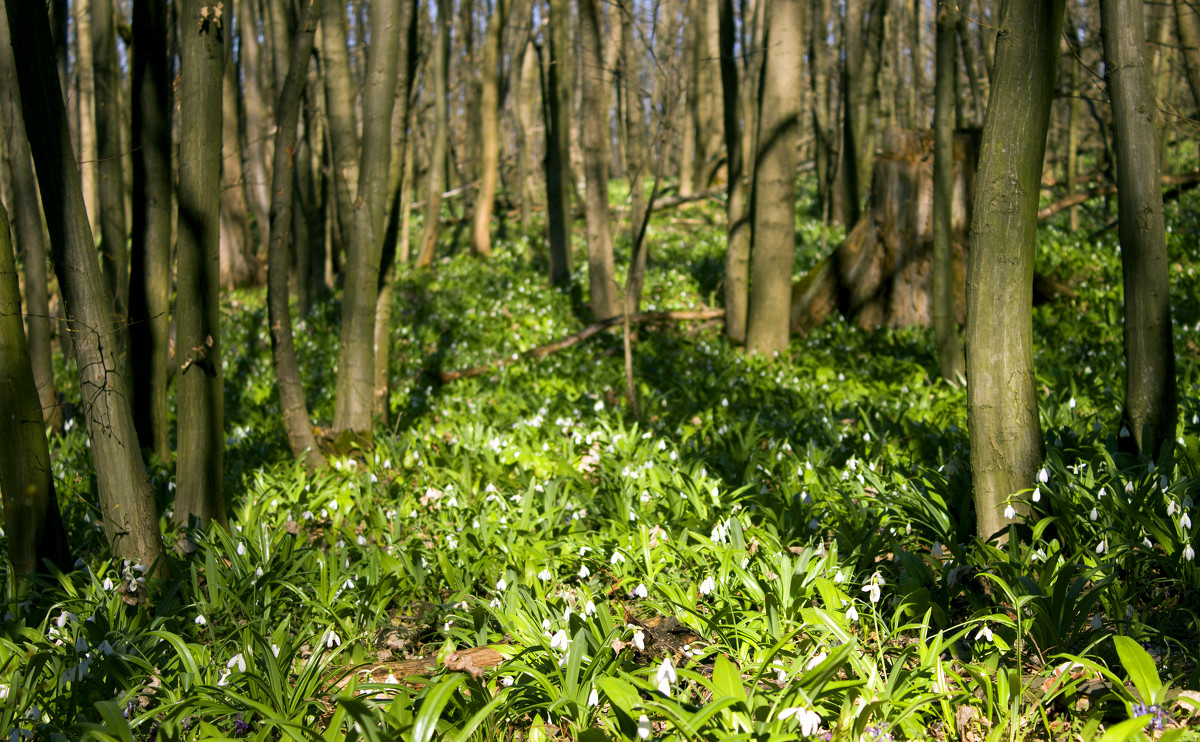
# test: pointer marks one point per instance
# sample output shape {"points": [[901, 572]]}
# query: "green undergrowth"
{"points": [[780, 549]]}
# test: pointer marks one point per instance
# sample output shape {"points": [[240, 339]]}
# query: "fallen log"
{"points": [[578, 337], [1182, 182]]}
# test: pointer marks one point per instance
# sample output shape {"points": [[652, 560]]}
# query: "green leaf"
{"points": [[434, 701], [727, 680], [1127, 730], [114, 722], [620, 694], [1140, 666]]}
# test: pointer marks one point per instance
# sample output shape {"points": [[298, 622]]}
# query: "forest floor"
{"points": [[781, 548]]}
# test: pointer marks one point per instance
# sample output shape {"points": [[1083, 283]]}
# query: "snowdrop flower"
{"points": [[617, 558], [1097, 621], [241, 549], [201, 621], [810, 721], [1185, 521], [839, 578], [1102, 546], [1037, 494], [108, 585], [501, 584], [584, 571], [639, 640], [546, 625], [560, 641], [1043, 476], [817, 659], [237, 660], [593, 698], [707, 586], [544, 575], [1010, 512], [984, 633], [1129, 488], [641, 591], [643, 728], [348, 584], [1092, 516], [852, 615], [506, 681], [589, 609], [873, 586], [331, 639], [1189, 553], [664, 676]]}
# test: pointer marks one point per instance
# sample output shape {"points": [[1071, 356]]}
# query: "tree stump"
{"points": [[881, 274]]}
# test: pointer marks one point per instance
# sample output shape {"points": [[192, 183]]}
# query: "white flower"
{"points": [[1043, 476], [331, 639], [984, 633], [1092, 516], [201, 621], [1185, 521], [852, 614], [664, 676], [707, 586], [1189, 553], [617, 558], [639, 640], [584, 571], [593, 698], [873, 585], [238, 660], [108, 584], [560, 641], [1171, 508], [1102, 546], [501, 584], [1037, 494], [817, 659], [241, 549], [348, 584], [643, 729], [810, 721], [1010, 512], [544, 575], [839, 578], [641, 591], [589, 609]]}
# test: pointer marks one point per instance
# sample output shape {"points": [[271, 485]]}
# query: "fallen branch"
{"points": [[670, 202], [1186, 179], [578, 337]]}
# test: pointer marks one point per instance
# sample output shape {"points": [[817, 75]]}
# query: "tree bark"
{"points": [[236, 249], [1076, 67], [636, 158], [441, 126], [288, 380], [490, 76], [945, 326], [526, 98], [1150, 402], [200, 465], [150, 253], [822, 114], [1005, 433], [863, 49], [556, 97], [126, 499], [774, 196], [31, 238], [594, 125], [84, 104], [109, 169], [737, 205], [339, 108], [31, 516], [257, 115], [356, 356], [1187, 20]]}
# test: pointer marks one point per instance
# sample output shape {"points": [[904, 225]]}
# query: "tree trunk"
{"points": [[356, 356], [1187, 20], [31, 517], [556, 97], [863, 49], [737, 205], [236, 251], [110, 171], [823, 148], [126, 499], [288, 380], [978, 94], [441, 126], [1005, 433], [636, 159], [258, 120], [691, 98], [200, 465], [490, 76], [84, 105], [339, 108], [594, 124], [945, 326], [1076, 67], [1150, 404], [774, 195], [526, 99], [31, 238], [150, 253]]}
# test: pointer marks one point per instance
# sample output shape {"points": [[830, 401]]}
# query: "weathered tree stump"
{"points": [[881, 274]]}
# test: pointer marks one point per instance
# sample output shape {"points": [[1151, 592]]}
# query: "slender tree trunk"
{"points": [[594, 124], [31, 517], [1187, 20], [339, 108], [489, 132], [691, 98], [150, 254], [920, 118], [636, 158], [945, 327], [257, 115], [823, 147], [1006, 435], [288, 380], [110, 171], [1150, 403], [978, 94], [527, 91], [356, 355], [82, 12], [31, 238], [236, 252], [1076, 68], [126, 498], [864, 46], [441, 126], [774, 196], [737, 206], [556, 97], [200, 465]]}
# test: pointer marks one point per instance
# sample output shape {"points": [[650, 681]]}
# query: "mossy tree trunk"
{"points": [[200, 463], [774, 195], [31, 516], [595, 133], [126, 498], [1150, 402], [355, 404], [945, 327], [1002, 413], [150, 252]]}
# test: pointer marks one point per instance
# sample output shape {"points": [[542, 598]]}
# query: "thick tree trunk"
{"points": [[31, 238], [490, 76], [356, 356], [150, 254], [945, 326], [126, 499], [1187, 20], [1005, 433], [737, 205], [1150, 403], [605, 297], [864, 47], [288, 380], [200, 465], [110, 170], [339, 109], [31, 517], [775, 180], [441, 126], [556, 97]]}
